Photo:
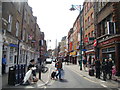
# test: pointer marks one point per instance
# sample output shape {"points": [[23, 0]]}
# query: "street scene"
{"points": [[60, 44]]}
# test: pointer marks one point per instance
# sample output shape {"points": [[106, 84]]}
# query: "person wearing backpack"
{"points": [[58, 65]]}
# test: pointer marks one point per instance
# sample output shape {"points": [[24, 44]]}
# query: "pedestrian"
{"points": [[59, 68], [89, 61], [105, 69], [31, 65], [3, 64], [97, 68], [84, 64], [110, 65], [114, 73]]}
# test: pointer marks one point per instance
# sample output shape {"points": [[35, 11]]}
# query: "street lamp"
{"points": [[73, 8]]}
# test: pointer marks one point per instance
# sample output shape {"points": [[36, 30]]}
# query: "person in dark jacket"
{"points": [[97, 68], [59, 68], [110, 65], [32, 64], [105, 69]]}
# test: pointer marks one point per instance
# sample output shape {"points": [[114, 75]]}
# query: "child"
{"points": [[113, 72]]}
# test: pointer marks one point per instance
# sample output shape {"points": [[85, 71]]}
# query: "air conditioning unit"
{"points": [[111, 28]]}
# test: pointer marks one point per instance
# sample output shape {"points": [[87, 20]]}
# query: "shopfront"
{"points": [[110, 49]]}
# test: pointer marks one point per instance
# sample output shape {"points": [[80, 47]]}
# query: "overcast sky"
{"points": [[54, 17]]}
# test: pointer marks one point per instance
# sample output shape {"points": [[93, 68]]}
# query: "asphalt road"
{"points": [[73, 80]]}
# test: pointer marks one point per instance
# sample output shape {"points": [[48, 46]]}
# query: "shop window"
{"points": [[11, 55]]}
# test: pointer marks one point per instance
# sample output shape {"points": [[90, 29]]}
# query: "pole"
{"points": [[80, 62], [40, 61]]}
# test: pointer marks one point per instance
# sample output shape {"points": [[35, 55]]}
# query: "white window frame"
{"points": [[10, 23], [17, 28]]}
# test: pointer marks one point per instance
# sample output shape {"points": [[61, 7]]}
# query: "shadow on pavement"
{"points": [[64, 80]]}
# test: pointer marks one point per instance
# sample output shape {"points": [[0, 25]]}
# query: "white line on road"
{"points": [[82, 76], [103, 85]]}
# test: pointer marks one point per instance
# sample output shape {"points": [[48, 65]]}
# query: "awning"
{"points": [[73, 53]]}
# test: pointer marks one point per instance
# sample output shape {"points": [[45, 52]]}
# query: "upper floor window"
{"points": [[19, 6], [17, 28], [25, 15], [23, 35], [10, 23]]}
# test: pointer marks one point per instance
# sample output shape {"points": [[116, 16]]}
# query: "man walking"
{"points": [[59, 68], [97, 67], [110, 65], [3, 64]]}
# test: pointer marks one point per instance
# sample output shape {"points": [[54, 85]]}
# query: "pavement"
{"points": [[85, 74], [46, 80]]}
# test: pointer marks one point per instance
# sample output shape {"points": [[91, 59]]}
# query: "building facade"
{"points": [[108, 32], [21, 34], [89, 29]]}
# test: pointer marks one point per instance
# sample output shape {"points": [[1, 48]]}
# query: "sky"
{"points": [[54, 18]]}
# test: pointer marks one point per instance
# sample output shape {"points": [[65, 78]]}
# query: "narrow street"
{"points": [[73, 78]]}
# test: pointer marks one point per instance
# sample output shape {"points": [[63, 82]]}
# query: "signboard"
{"points": [[86, 39], [84, 49]]}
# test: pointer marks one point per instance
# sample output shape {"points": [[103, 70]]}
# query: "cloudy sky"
{"points": [[54, 17]]}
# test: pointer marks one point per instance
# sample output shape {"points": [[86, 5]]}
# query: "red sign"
{"points": [[95, 43], [86, 39], [70, 46]]}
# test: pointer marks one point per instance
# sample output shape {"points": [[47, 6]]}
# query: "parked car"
{"points": [[54, 60], [48, 61]]}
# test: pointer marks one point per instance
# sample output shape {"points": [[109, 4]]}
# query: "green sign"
{"points": [[91, 38]]}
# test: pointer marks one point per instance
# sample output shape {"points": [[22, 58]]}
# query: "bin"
{"points": [[13, 75]]}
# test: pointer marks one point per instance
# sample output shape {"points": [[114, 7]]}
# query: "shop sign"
{"points": [[84, 49], [13, 45]]}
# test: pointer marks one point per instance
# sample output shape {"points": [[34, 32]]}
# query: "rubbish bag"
{"points": [[27, 76]]}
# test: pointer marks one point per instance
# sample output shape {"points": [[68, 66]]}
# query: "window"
{"points": [[92, 34], [89, 35], [88, 20], [28, 19], [23, 35], [11, 55], [27, 38], [19, 6], [92, 16], [10, 23], [17, 28], [25, 15]]}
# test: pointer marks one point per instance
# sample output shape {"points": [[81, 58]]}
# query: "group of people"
{"points": [[106, 67]]}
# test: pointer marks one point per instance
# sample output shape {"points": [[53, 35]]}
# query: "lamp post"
{"points": [[73, 8]]}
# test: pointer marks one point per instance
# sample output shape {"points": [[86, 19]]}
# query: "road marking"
{"points": [[103, 85], [82, 76]]}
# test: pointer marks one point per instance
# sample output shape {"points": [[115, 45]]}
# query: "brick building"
{"points": [[21, 34], [89, 29], [108, 31]]}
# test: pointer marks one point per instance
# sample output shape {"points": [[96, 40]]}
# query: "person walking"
{"points": [[59, 68], [110, 65], [105, 69], [3, 64], [84, 63], [97, 68]]}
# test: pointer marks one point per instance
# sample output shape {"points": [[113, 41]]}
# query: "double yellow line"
{"points": [[78, 73]]}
